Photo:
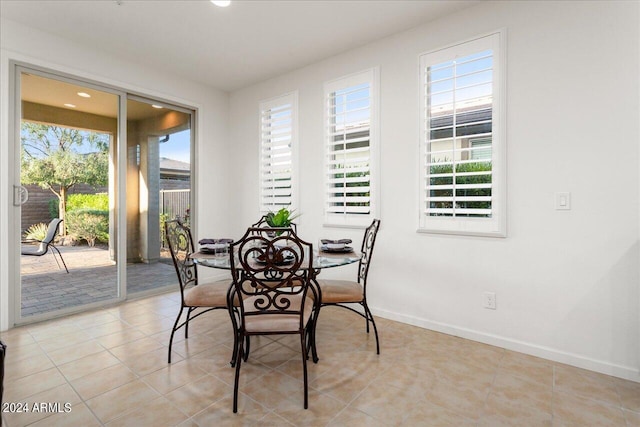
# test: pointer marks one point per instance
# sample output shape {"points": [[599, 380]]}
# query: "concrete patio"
{"points": [[91, 278]]}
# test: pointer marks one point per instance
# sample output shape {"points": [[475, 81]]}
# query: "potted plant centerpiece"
{"points": [[281, 219]]}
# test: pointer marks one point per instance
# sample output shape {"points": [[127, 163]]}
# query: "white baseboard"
{"points": [[626, 372]]}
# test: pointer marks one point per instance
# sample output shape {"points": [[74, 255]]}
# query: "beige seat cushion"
{"points": [[208, 294], [274, 322], [334, 291]]}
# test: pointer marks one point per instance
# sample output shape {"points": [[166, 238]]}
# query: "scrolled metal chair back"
{"points": [[367, 250], [181, 247], [268, 271]]}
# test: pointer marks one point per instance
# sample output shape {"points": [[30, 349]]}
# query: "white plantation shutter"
{"points": [[278, 134], [462, 183], [350, 138]]}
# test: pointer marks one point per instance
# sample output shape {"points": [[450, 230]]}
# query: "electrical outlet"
{"points": [[490, 300]]}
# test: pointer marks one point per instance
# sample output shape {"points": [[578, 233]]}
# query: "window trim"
{"points": [[288, 97], [372, 76], [487, 227]]}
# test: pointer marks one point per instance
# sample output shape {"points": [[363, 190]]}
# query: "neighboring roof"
{"points": [[176, 165]]}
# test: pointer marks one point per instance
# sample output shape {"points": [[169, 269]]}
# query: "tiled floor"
{"points": [[110, 367]]}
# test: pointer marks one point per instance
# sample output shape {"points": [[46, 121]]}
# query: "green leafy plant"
{"points": [[99, 201], [36, 232], [282, 218], [89, 224]]}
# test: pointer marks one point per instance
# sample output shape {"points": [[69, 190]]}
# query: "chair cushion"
{"points": [[335, 291], [207, 294], [274, 322]]}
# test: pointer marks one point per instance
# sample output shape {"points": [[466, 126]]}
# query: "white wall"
{"points": [[20, 43], [566, 281]]}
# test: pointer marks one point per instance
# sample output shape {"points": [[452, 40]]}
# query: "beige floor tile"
{"points": [[249, 372], [273, 420], [103, 381], [272, 388], [27, 366], [629, 393], [429, 415], [60, 395], [156, 326], [88, 365], [591, 385], [343, 384], [18, 353], [467, 399], [193, 345], [146, 363], [527, 367], [109, 328], [576, 411], [134, 349], [23, 388], [388, 404], [119, 338], [93, 319], [75, 352], [633, 418], [79, 415], [350, 417], [64, 341], [321, 409], [157, 412], [509, 407], [197, 395], [221, 413], [16, 337], [508, 390], [121, 400], [173, 375]]}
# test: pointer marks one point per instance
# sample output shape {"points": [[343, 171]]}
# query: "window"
{"points": [[278, 140], [462, 147], [351, 149]]}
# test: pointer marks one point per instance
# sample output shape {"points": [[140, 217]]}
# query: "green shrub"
{"points": [[36, 232], [98, 202], [54, 206], [88, 224]]}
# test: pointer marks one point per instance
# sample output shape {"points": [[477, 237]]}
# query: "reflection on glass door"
{"points": [[158, 188], [68, 135]]}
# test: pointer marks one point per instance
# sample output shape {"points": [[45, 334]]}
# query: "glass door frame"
{"points": [[15, 213]]}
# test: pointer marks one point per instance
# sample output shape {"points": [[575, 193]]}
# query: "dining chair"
{"points": [[342, 292], [46, 243], [196, 298], [272, 278]]}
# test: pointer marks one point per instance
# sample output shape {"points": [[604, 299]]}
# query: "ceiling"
{"points": [[227, 48]]}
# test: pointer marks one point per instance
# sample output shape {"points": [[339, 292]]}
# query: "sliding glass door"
{"points": [[99, 171]]}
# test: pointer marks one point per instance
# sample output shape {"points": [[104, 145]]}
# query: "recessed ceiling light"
{"points": [[70, 105], [156, 106], [221, 3], [84, 94]]}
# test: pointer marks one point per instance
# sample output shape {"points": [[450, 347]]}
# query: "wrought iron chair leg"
{"points": [[248, 347], [173, 331], [186, 323], [304, 370], [236, 384], [373, 322]]}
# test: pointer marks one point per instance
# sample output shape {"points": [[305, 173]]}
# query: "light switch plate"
{"points": [[563, 201]]}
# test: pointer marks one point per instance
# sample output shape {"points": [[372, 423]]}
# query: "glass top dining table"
{"points": [[321, 259]]}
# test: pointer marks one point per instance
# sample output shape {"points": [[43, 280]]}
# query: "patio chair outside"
{"points": [[46, 243]]}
